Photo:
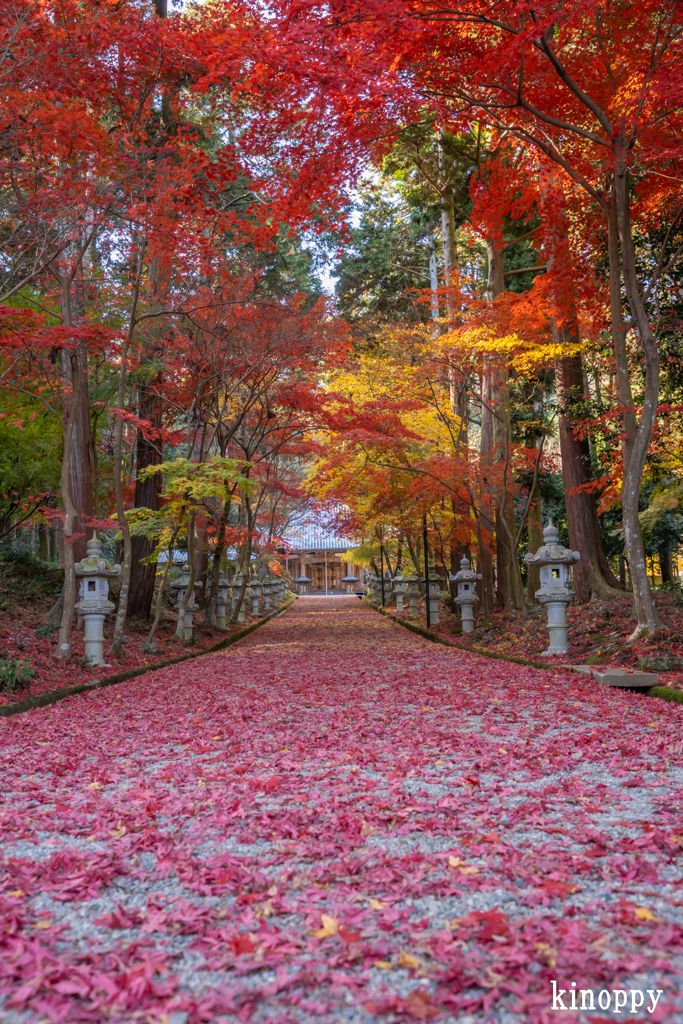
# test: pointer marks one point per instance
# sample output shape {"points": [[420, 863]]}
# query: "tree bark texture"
{"points": [[210, 606], [592, 574], [124, 591], [192, 572], [81, 477], [147, 495], [202, 570], [507, 564], [535, 533], [646, 612], [162, 586], [484, 520], [69, 589], [666, 565]]}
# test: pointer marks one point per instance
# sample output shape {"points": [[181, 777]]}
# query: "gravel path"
{"points": [[335, 821]]}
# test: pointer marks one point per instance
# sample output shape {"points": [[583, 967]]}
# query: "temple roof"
{"points": [[309, 535]]}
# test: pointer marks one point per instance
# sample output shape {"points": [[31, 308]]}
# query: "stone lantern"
{"points": [[242, 617], [269, 586], [399, 591], [232, 596], [350, 582], [413, 591], [302, 583], [434, 596], [374, 591], [275, 590], [221, 601], [554, 561], [94, 573], [181, 586], [466, 580], [280, 589], [254, 587]]}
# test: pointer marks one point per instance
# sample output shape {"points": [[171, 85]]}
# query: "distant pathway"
{"points": [[335, 820]]}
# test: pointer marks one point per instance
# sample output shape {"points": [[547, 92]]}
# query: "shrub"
{"points": [[675, 589], [27, 578], [15, 675]]}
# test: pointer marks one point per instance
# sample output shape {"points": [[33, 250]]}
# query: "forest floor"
{"points": [[337, 821], [26, 596], [598, 634]]}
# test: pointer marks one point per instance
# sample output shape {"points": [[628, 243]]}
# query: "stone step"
{"points": [[631, 678]]}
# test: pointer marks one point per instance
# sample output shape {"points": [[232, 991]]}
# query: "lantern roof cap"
{"points": [[465, 572], [552, 552], [94, 564], [303, 579], [349, 579]]}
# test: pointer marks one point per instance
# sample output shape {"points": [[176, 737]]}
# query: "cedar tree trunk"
{"points": [[507, 567], [147, 495], [635, 458], [69, 588], [592, 575]]}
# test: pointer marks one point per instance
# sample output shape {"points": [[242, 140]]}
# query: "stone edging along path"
{"points": [[663, 692], [52, 696]]}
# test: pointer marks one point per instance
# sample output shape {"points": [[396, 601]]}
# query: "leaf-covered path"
{"points": [[336, 820]]}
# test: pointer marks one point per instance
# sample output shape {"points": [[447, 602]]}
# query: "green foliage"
{"points": [[15, 675], [187, 485], [48, 628], [364, 554], [516, 258], [387, 259], [675, 588], [662, 520], [30, 456]]}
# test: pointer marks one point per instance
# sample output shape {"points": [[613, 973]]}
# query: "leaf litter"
{"points": [[338, 821]]}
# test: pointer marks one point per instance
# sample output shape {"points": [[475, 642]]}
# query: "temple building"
{"points": [[319, 554]]}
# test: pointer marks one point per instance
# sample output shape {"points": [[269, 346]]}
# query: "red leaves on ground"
{"points": [[598, 631], [289, 828]]}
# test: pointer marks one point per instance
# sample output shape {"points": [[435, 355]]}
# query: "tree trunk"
{"points": [[147, 495], [648, 618], [210, 613], [69, 589], [592, 575], [192, 570], [485, 521], [450, 256], [81, 480], [162, 586], [666, 565], [202, 569], [507, 563], [117, 642], [535, 533]]}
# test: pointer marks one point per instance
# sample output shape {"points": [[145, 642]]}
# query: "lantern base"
{"points": [[467, 602], [556, 599]]}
